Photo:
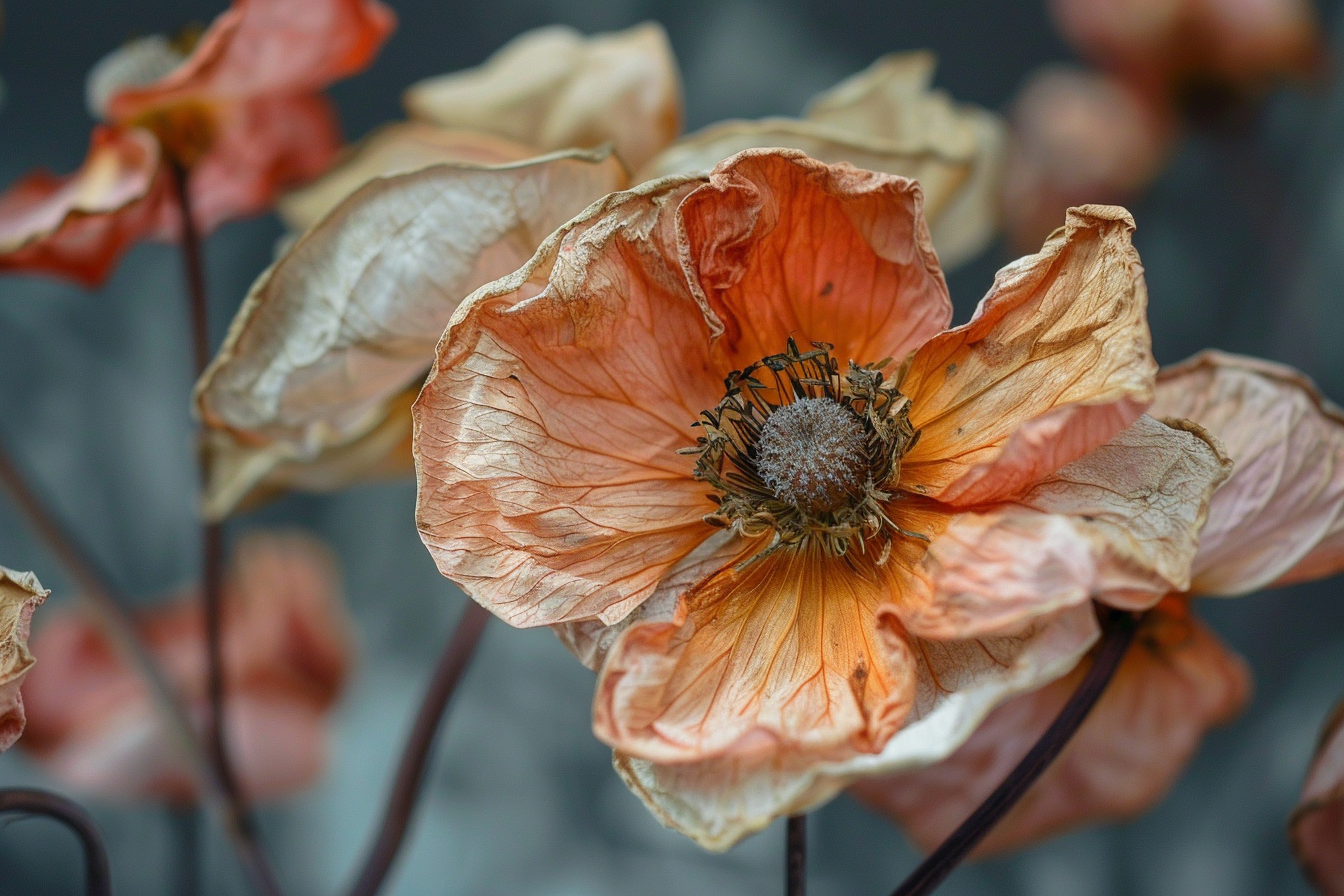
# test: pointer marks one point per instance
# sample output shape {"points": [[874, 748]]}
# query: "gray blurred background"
{"points": [[1243, 240]]}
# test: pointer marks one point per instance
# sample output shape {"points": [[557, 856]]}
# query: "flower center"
{"points": [[812, 454]]}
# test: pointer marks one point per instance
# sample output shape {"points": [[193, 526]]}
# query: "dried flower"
{"points": [[20, 594], [1317, 827]]}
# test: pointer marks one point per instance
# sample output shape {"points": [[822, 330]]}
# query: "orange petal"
{"points": [[1177, 681], [719, 801], [779, 245], [20, 595], [582, 372], [1317, 825], [1119, 525], [1056, 361], [553, 88], [345, 322], [78, 226], [1280, 517]]}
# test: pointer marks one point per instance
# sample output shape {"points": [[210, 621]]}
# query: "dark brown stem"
{"points": [[1118, 630], [415, 755], [97, 877], [795, 857]]}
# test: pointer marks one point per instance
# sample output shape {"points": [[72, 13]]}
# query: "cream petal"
{"points": [[1056, 361], [346, 321], [20, 595], [553, 88], [1119, 525], [1317, 825], [1279, 518]]}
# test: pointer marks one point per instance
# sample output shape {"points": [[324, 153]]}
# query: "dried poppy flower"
{"points": [[287, 650], [1317, 827], [1278, 519], [20, 594], [847, 560], [240, 114]]}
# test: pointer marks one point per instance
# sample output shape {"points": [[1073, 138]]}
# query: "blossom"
{"points": [[848, 560], [20, 595], [1317, 826], [240, 115], [287, 653], [1278, 519]]}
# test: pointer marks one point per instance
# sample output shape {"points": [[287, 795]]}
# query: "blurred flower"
{"points": [[1278, 519], [239, 114], [287, 652], [850, 566], [20, 594], [1317, 826]]}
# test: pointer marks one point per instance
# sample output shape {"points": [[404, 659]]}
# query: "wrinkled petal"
{"points": [[1280, 517], [80, 225], [553, 88], [1317, 825], [1056, 361], [20, 595], [1176, 682], [397, 148], [717, 802], [778, 245], [346, 321], [1119, 525], [582, 372]]}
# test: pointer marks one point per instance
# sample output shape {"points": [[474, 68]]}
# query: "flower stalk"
{"points": [[795, 856], [97, 875]]}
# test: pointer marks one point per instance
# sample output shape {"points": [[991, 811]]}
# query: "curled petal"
{"points": [[546, 436], [1119, 525], [1279, 518], [867, 281], [346, 321], [1176, 682], [719, 801], [1056, 361], [20, 595], [78, 226], [553, 88], [1317, 825]]}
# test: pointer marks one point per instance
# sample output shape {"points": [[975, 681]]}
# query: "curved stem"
{"points": [[1118, 630], [795, 857], [415, 758], [97, 876]]}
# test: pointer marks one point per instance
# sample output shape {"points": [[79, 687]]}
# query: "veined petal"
{"points": [[1119, 525], [1280, 517], [1317, 825], [1056, 361], [778, 245], [20, 595], [346, 321], [1177, 681], [719, 801], [547, 433], [553, 88], [78, 226]]}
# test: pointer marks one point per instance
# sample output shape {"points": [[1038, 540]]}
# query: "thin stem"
{"points": [[1118, 630], [185, 867], [795, 857], [97, 876], [415, 756]]}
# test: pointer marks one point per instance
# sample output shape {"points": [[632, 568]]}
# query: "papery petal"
{"points": [[346, 321], [1317, 825], [1176, 682], [719, 801], [20, 595], [1119, 525], [1280, 516], [397, 148], [78, 226], [1056, 361], [553, 88], [547, 433], [778, 245]]}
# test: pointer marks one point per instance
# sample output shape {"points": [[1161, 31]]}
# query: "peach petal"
{"points": [[582, 372], [79, 225], [867, 280], [1119, 525], [1055, 362], [553, 88], [20, 595], [346, 321], [1176, 682], [719, 801], [1280, 517], [1317, 825]]}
